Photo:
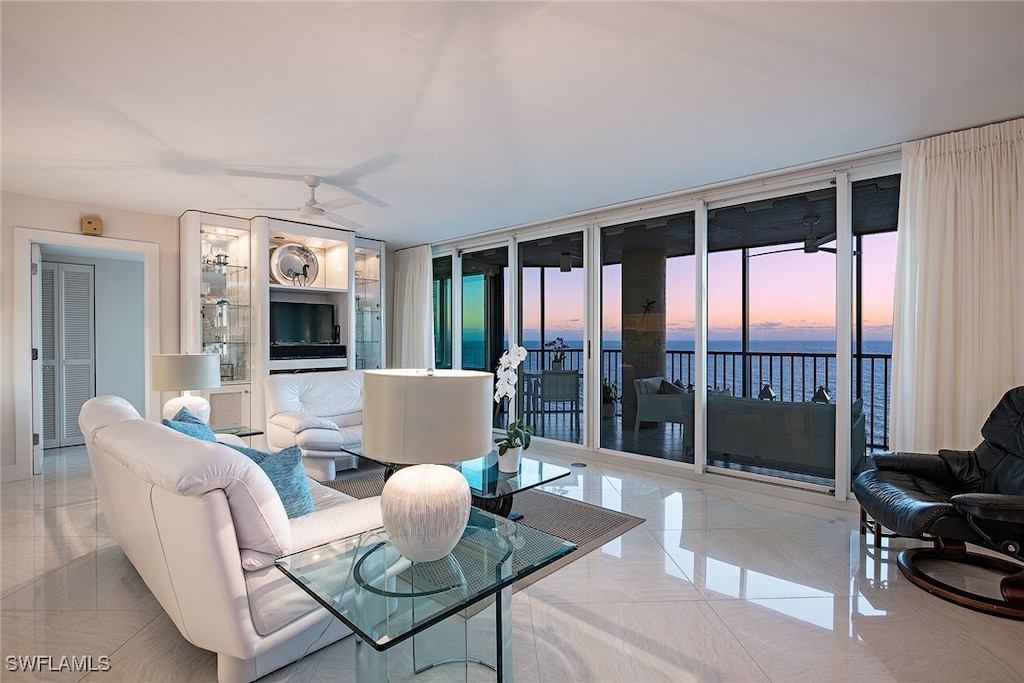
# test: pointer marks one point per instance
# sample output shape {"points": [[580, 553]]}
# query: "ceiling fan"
{"points": [[346, 180], [312, 208], [812, 243]]}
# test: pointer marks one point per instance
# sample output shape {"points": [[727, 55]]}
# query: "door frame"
{"points": [[21, 317]]}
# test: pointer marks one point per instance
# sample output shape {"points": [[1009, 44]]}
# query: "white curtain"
{"points": [[413, 327], [958, 318]]}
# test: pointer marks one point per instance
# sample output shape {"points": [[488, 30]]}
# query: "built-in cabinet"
{"points": [[218, 310], [369, 303], [270, 295], [309, 279]]}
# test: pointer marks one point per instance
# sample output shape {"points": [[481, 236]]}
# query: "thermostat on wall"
{"points": [[92, 225]]}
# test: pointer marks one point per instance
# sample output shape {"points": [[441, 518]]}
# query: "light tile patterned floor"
{"points": [[717, 585]]}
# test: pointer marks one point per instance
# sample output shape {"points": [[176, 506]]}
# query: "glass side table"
{"points": [[386, 599], [242, 431], [492, 489]]}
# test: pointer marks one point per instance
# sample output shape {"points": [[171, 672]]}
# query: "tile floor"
{"points": [[716, 585]]}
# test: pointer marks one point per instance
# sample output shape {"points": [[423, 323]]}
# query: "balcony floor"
{"points": [[664, 441]]}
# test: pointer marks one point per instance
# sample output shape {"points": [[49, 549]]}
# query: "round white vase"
{"points": [[510, 461], [425, 509]]}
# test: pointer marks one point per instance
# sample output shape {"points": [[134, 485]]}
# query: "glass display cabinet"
{"points": [[226, 301], [369, 304], [217, 312]]}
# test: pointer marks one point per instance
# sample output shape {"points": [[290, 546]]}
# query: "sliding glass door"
{"points": [[647, 337], [485, 313], [771, 373], [443, 323], [552, 301]]}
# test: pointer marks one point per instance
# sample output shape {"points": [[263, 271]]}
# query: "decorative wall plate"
{"points": [[293, 264]]}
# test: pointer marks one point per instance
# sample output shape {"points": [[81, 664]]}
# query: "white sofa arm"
{"points": [[298, 422], [337, 521], [230, 439], [323, 526]]}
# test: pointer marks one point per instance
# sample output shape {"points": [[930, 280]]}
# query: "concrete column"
{"points": [[643, 322]]}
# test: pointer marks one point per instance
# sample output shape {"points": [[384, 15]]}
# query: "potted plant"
{"points": [[558, 348], [609, 397], [517, 435]]}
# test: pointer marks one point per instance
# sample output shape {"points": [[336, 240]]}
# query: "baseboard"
{"points": [[9, 473]]}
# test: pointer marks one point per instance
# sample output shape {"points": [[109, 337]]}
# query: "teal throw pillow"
{"points": [[287, 475], [187, 423]]}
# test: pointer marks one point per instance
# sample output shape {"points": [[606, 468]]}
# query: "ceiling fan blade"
{"points": [[340, 220], [246, 173], [337, 203], [257, 208], [776, 251], [350, 187], [812, 242], [377, 163]]}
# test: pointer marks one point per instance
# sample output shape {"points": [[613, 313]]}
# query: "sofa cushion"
{"points": [[667, 387], [286, 473], [349, 419], [187, 423], [648, 385]]}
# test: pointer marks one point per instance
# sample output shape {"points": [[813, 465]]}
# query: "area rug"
{"points": [[588, 526]]}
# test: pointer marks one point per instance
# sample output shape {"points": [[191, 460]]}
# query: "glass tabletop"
{"points": [[484, 477], [236, 429], [386, 598]]}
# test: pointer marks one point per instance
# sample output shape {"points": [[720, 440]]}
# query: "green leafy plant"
{"points": [[609, 392], [559, 347], [517, 434]]}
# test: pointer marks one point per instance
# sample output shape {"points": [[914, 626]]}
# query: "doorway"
{"points": [[138, 325]]}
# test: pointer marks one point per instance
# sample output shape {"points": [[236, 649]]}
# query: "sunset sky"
{"points": [[792, 296]]}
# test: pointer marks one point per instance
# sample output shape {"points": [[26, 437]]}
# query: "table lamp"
{"points": [[426, 418], [186, 372]]}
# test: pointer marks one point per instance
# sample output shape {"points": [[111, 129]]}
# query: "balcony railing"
{"points": [[793, 377]]}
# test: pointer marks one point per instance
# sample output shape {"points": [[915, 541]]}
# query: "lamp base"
{"points": [[197, 405], [425, 509]]}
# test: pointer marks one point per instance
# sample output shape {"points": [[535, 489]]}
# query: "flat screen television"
{"points": [[301, 323]]}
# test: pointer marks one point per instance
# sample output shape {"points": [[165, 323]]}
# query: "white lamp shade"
{"points": [[427, 416], [185, 371]]}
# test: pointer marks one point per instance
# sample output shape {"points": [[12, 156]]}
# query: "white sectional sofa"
{"points": [[202, 523], [319, 412]]}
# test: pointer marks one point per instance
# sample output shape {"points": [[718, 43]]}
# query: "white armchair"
{"points": [[319, 412]]}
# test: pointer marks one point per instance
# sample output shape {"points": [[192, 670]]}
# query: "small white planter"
{"points": [[510, 461]]}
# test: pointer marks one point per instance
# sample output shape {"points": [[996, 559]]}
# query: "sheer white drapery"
{"points": [[413, 326], [958, 317]]}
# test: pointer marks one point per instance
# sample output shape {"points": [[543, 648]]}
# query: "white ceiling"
{"points": [[477, 115]]}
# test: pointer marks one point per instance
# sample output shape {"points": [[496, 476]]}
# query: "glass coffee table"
{"points": [[492, 490], [386, 599]]}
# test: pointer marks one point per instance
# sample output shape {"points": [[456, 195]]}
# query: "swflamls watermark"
{"points": [[40, 663]]}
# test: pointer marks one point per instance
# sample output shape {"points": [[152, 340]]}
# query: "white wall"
{"points": [[23, 211], [120, 333]]}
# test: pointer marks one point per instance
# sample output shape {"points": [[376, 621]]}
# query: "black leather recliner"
{"points": [[955, 498]]}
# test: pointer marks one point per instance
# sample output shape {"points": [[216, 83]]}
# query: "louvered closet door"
{"points": [[48, 351], [72, 346]]}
